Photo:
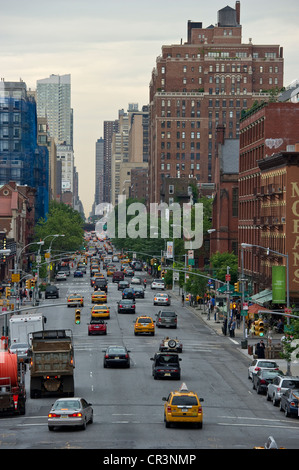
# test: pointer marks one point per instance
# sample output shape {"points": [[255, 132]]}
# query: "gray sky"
{"points": [[110, 49]]}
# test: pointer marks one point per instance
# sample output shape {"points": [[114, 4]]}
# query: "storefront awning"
{"points": [[255, 308], [222, 289], [262, 297]]}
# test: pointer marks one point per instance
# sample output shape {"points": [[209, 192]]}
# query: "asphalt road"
{"points": [[127, 403]]}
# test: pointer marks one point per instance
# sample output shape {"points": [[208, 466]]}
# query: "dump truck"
{"points": [[12, 381], [51, 363]]}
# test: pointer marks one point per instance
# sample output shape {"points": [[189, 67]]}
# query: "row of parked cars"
{"points": [[282, 390]]}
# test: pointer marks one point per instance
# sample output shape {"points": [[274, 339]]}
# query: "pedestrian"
{"points": [[209, 309], [252, 330], [144, 283], [183, 299], [232, 328], [224, 328], [260, 349]]}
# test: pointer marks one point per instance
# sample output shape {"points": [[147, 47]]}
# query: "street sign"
{"points": [[176, 276], [245, 306], [227, 277], [190, 254]]}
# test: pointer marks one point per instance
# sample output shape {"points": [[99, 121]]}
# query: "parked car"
{"points": [[281, 384], [166, 318], [166, 365], [61, 276], [70, 412], [258, 364], [126, 306], [21, 349], [263, 378], [51, 291], [157, 284], [97, 327], [289, 401], [116, 356], [161, 298]]}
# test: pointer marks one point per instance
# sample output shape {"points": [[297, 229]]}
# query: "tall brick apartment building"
{"points": [[198, 85], [269, 192]]}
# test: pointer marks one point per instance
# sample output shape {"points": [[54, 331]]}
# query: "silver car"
{"points": [[161, 298], [21, 349], [280, 385], [70, 412], [158, 284]]}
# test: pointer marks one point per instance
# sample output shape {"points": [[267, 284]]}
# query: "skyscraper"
{"points": [[54, 103], [99, 172], [198, 85]]}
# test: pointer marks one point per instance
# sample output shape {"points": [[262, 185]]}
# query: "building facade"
{"points": [[198, 85]]}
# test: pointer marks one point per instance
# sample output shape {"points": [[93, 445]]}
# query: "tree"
{"points": [[61, 219], [219, 263]]}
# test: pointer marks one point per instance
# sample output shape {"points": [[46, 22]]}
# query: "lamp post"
{"points": [[49, 251]]}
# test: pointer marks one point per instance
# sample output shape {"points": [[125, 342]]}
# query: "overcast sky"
{"points": [[110, 49]]}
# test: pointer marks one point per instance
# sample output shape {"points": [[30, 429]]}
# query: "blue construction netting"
{"points": [[21, 159]]}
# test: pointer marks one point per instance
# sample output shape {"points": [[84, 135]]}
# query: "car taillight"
{"points": [[262, 381], [278, 389], [120, 306], [53, 415], [106, 356], [169, 409], [127, 356], [293, 403], [257, 368], [75, 415]]}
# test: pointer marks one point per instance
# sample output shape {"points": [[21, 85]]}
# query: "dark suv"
{"points": [[166, 365], [51, 291], [101, 283], [166, 318]]}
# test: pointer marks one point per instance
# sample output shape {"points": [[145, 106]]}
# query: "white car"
{"points": [[258, 364], [135, 280], [61, 276], [157, 284], [161, 298]]}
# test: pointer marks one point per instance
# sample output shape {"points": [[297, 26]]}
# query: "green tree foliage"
{"points": [[61, 219], [219, 263]]}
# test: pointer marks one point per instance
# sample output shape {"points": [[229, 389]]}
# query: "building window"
{"points": [[235, 202]]}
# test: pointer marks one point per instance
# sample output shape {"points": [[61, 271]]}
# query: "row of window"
{"points": [[180, 135], [227, 68], [180, 166]]}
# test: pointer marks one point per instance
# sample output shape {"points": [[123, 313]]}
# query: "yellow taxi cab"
{"points": [[99, 297], [144, 324], [111, 270], [183, 406], [75, 300], [100, 311]]}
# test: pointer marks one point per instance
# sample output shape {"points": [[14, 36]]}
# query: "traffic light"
{"points": [[260, 328], [32, 283], [163, 274], [78, 316], [237, 286], [28, 284], [7, 292]]}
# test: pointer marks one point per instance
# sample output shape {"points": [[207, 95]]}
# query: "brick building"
{"points": [[268, 187], [198, 85]]}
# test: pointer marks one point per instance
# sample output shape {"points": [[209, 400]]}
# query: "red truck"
{"points": [[12, 381]]}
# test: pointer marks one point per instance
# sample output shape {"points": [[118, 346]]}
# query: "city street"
{"points": [[127, 403]]}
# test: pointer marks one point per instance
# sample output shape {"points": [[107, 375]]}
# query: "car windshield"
{"points": [[116, 350], [168, 359], [290, 384], [167, 314], [267, 364], [67, 404], [19, 346], [184, 400]]}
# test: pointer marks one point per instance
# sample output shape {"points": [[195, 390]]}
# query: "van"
{"points": [[118, 276]]}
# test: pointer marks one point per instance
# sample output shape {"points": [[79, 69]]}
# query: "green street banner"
{"points": [[278, 284]]}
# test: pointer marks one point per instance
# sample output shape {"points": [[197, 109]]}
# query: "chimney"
{"points": [[238, 12]]}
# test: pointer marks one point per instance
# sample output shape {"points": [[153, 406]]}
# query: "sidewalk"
{"points": [[216, 326]]}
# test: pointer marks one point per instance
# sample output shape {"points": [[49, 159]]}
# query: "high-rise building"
{"points": [[198, 85], [22, 160], [109, 128], [99, 172], [54, 103]]}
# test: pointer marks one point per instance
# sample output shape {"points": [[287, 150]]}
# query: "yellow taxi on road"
{"points": [[99, 297], [111, 270], [144, 324], [183, 406], [100, 311], [75, 300]]}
